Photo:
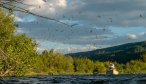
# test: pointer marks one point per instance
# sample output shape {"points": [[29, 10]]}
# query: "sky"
{"points": [[97, 23]]}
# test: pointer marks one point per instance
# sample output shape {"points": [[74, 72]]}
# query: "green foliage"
{"points": [[6, 28], [99, 68], [83, 65], [136, 67], [144, 56], [16, 50], [53, 63]]}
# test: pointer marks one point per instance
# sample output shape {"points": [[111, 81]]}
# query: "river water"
{"points": [[77, 79]]}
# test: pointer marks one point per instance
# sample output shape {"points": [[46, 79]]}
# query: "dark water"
{"points": [[77, 79]]}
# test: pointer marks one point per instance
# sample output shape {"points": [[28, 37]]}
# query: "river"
{"points": [[77, 79]]}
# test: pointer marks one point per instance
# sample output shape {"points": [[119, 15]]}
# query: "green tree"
{"points": [[83, 65], [16, 50], [99, 68], [135, 67]]}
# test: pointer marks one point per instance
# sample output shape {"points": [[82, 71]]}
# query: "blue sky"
{"points": [[98, 23], [123, 31]]}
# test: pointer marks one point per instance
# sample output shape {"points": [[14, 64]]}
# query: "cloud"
{"points": [[34, 2], [142, 33], [101, 13], [117, 40], [94, 18], [76, 49], [120, 13], [61, 33], [18, 19], [46, 8], [131, 36], [20, 31], [110, 13], [40, 50]]}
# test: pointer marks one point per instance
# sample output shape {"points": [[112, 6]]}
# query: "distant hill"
{"points": [[121, 53]]}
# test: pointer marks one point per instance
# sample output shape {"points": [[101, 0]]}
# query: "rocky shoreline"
{"points": [[77, 79]]}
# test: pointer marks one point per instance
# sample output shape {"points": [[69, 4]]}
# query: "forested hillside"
{"points": [[120, 54]]}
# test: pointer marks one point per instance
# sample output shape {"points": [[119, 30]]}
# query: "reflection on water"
{"points": [[77, 79]]}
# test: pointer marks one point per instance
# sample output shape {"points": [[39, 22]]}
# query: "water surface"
{"points": [[77, 79]]}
